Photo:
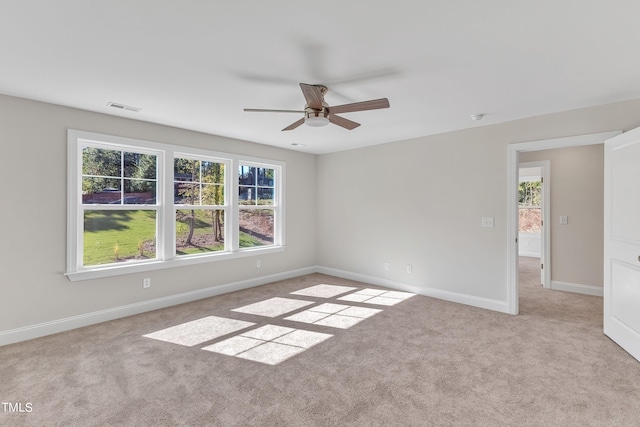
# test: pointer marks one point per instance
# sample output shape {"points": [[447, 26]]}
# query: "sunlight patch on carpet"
{"points": [[273, 307], [199, 331], [273, 344], [269, 344], [323, 291], [377, 296], [334, 315]]}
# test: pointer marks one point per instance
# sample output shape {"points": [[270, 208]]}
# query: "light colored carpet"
{"points": [[418, 362]]}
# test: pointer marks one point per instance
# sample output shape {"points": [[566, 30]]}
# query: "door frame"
{"points": [[545, 247], [513, 151]]}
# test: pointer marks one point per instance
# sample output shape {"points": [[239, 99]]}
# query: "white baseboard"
{"points": [[577, 288], [66, 324], [529, 254], [480, 302], [73, 322]]}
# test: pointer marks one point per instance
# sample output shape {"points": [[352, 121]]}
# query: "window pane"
{"points": [[138, 192], [137, 165], [100, 190], [246, 175], [265, 196], [530, 194], [101, 162], [199, 231], [265, 177], [185, 169], [256, 227], [246, 196], [118, 236], [213, 172], [184, 193], [212, 194]]}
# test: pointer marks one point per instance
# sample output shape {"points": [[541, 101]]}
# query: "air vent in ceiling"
{"points": [[123, 107]]}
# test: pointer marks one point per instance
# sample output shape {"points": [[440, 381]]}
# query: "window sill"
{"points": [[121, 269]]}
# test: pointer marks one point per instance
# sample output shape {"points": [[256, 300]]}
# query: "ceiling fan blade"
{"points": [[266, 79], [362, 76], [266, 110], [374, 104], [341, 121], [313, 94], [294, 124]]}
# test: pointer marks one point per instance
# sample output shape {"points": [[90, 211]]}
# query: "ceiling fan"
{"points": [[318, 113]]}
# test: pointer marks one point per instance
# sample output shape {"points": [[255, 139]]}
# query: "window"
{"points": [[138, 205], [119, 214], [529, 206], [256, 203], [198, 193]]}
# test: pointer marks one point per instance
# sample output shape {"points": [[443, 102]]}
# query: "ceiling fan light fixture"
{"points": [[316, 122], [316, 119]]}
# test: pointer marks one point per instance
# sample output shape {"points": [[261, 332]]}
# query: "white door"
{"points": [[622, 241]]}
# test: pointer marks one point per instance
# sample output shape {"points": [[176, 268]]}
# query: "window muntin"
{"points": [[131, 203]]}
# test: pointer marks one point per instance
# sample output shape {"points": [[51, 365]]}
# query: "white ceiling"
{"points": [[196, 64]]}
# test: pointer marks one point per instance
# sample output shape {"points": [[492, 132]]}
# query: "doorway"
{"points": [[534, 238], [514, 151]]}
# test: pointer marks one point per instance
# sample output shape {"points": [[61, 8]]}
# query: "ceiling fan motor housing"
{"points": [[316, 118]]}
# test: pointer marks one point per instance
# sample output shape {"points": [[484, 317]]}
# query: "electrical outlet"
{"points": [[258, 264], [386, 266], [146, 282], [409, 269]]}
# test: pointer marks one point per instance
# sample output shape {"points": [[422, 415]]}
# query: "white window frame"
{"points": [[228, 243], [166, 228], [277, 201]]}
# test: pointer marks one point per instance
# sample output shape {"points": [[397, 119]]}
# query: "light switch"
{"points": [[487, 222], [564, 220]]}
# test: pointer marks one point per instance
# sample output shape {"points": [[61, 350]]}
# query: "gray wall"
{"points": [[577, 191], [421, 201], [33, 137], [417, 202]]}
